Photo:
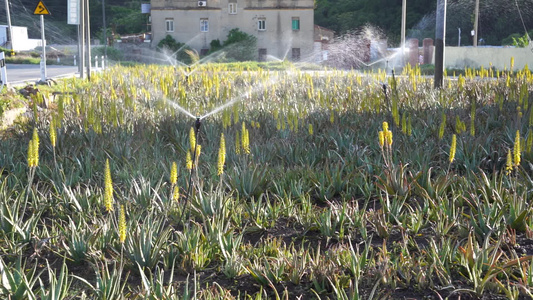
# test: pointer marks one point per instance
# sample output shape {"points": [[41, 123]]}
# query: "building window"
{"points": [[204, 25], [232, 8], [295, 23], [262, 54], [170, 25], [261, 24], [296, 54]]}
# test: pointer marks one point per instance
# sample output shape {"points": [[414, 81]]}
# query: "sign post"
{"points": [[41, 10], [3, 69], [43, 56]]}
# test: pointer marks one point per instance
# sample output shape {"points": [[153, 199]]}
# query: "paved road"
{"points": [[19, 74]]}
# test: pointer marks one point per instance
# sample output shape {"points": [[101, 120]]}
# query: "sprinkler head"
{"points": [[197, 124]]}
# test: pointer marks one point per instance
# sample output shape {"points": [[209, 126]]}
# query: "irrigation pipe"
{"points": [[187, 195]]}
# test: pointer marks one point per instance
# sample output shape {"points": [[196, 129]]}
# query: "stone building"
{"points": [[284, 28]]}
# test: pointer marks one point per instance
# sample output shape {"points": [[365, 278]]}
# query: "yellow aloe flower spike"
{"points": [[53, 135], [509, 163], [122, 225], [176, 193], [389, 138], [192, 138], [198, 152], [174, 173], [453, 148], [108, 188], [35, 148], [381, 138], [188, 161], [385, 126], [237, 143], [30, 154], [517, 149], [245, 139], [221, 155]]}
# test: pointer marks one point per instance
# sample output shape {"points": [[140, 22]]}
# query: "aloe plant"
{"points": [[144, 245], [17, 281], [58, 286]]}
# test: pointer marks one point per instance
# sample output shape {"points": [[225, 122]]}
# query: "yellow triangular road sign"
{"points": [[41, 9]]}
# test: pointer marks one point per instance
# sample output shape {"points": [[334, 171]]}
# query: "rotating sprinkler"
{"points": [[197, 124]]}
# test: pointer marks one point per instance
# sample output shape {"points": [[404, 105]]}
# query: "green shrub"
{"points": [[240, 46], [177, 49], [214, 46], [6, 51], [22, 60]]}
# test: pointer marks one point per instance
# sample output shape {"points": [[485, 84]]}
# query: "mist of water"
{"points": [[246, 95], [181, 109]]}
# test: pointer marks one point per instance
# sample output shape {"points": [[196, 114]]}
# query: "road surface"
{"points": [[20, 74]]}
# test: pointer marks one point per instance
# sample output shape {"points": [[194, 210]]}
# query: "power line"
{"points": [[522, 19]]}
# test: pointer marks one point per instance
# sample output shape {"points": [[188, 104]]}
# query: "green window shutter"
{"points": [[295, 24]]}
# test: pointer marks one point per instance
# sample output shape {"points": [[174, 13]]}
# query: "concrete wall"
{"points": [[278, 38], [499, 57]]}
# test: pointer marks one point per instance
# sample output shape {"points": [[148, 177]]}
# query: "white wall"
{"points": [[498, 57], [20, 38]]}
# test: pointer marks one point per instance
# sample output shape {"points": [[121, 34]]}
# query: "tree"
{"points": [[238, 46]]}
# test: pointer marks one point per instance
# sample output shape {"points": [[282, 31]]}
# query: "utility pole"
{"points": [[105, 29], [88, 36], [440, 33], [81, 37], [476, 19], [404, 12], [10, 29]]}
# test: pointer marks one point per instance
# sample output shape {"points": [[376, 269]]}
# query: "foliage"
{"points": [[23, 60], [522, 41], [238, 46], [7, 52], [175, 49], [214, 46]]}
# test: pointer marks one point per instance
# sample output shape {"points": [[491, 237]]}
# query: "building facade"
{"points": [[284, 28]]}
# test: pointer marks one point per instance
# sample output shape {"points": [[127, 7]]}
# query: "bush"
{"points": [[214, 46], [516, 39], [22, 60], [6, 51], [240, 46]]}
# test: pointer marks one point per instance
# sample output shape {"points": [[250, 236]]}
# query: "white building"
{"points": [[21, 42], [284, 28]]}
